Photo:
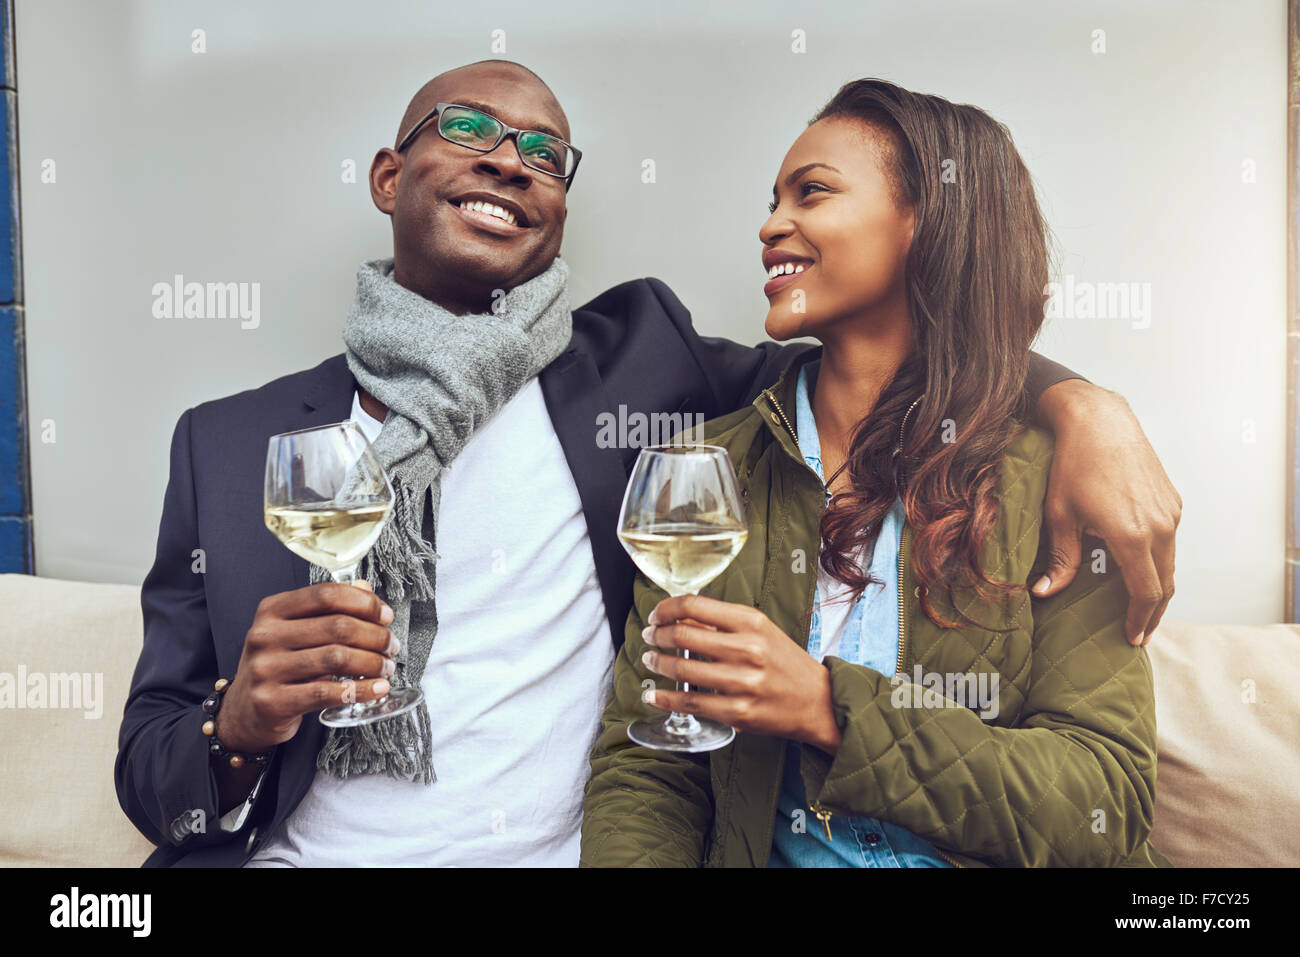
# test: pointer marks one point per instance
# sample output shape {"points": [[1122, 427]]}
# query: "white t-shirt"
{"points": [[515, 683]]}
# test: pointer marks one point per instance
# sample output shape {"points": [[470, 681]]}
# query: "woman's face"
{"points": [[835, 217]]}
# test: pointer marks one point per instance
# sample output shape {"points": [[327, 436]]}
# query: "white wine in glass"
{"points": [[327, 499], [327, 534], [683, 557], [682, 522]]}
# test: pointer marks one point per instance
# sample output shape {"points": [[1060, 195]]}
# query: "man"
{"points": [[532, 588]]}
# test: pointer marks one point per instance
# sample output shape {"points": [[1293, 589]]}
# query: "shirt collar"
{"points": [[810, 445]]}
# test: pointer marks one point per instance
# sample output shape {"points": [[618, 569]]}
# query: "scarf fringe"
{"points": [[400, 747], [400, 567], [402, 557]]}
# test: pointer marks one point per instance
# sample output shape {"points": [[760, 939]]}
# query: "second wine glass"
{"points": [[682, 522]]}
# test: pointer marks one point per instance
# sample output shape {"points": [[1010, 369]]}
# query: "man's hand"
{"points": [[765, 682], [297, 641], [1107, 481]]}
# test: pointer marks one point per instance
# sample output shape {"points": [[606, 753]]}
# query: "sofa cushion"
{"points": [[1227, 716], [60, 807], [1227, 722]]}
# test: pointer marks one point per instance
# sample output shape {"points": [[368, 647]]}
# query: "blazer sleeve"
{"points": [[1043, 374], [1072, 783], [162, 774], [737, 373], [643, 808]]}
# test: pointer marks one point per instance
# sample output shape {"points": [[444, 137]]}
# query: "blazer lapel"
{"points": [[575, 395], [327, 398]]}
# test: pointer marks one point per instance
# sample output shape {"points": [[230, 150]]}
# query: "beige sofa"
{"points": [[1228, 713]]}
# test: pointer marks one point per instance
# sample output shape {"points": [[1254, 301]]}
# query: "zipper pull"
{"points": [[824, 816]]}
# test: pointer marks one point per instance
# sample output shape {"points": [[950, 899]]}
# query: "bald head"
{"points": [[439, 90], [443, 249]]}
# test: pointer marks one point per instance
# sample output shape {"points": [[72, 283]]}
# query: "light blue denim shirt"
{"points": [[870, 638]]}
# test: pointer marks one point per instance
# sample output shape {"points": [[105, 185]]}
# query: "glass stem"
{"points": [[678, 722], [346, 576]]}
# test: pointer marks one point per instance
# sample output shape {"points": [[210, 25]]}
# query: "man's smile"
{"points": [[491, 213]]}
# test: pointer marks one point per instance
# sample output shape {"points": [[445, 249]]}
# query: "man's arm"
{"points": [[1106, 478], [734, 373], [165, 781], [737, 373], [1043, 374]]}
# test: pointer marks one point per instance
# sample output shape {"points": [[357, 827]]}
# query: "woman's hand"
{"points": [[765, 682]]}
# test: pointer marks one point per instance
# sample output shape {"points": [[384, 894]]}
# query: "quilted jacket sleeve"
{"points": [[643, 807], [1070, 783]]}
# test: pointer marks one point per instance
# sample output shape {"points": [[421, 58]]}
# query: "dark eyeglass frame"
{"points": [[506, 130]]}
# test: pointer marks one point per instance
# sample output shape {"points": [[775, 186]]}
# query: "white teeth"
{"points": [[491, 210], [784, 269]]}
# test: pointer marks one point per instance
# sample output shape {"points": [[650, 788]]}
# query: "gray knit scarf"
{"points": [[442, 377]]}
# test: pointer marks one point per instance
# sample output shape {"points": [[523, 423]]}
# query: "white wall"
{"points": [[225, 166]]}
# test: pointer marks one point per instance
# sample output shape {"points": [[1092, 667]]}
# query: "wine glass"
{"points": [[682, 522], [327, 499]]}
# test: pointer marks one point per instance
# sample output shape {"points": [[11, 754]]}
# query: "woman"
{"points": [[899, 697]]}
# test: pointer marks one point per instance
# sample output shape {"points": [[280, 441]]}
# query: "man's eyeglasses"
{"points": [[480, 131]]}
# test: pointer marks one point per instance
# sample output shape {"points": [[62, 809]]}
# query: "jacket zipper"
{"points": [[902, 567], [902, 605], [902, 636], [777, 405], [822, 813], [902, 602]]}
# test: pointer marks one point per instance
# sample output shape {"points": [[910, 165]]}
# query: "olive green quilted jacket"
{"points": [[1063, 775]]}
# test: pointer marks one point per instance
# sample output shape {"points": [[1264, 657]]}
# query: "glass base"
{"points": [[670, 733], [368, 712]]}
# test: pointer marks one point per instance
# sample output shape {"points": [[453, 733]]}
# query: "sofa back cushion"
{"points": [[1228, 726], [1227, 714], [67, 653]]}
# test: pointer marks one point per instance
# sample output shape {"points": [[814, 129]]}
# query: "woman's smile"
{"points": [[781, 276], [783, 269]]}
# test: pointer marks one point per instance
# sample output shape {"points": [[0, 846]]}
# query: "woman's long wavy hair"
{"points": [[976, 274]]}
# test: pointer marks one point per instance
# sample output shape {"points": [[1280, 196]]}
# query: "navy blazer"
{"points": [[632, 346]]}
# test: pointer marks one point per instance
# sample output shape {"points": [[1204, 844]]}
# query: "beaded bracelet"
{"points": [[211, 704]]}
